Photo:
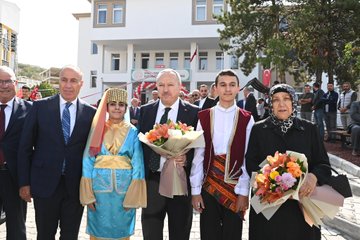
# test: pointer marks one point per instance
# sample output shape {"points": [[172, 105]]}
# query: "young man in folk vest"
{"points": [[219, 181]]}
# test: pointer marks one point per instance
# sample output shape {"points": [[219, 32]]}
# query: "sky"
{"points": [[48, 32]]}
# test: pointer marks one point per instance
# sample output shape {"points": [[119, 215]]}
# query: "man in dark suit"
{"points": [[179, 208], [50, 157], [134, 111], [12, 114], [205, 102], [250, 103]]}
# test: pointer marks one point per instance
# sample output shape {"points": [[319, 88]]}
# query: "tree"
{"points": [[313, 39], [253, 30], [47, 89]]}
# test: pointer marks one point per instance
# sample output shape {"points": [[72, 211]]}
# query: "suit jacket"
{"points": [[134, 115], [250, 105], [240, 103], [209, 103], [42, 147], [11, 138], [187, 113]]}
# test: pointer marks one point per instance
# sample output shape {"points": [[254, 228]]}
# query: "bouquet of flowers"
{"points": [[280, 179], [172, 139], [280, 175]]}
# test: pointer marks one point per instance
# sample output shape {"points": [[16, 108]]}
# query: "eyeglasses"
{"points": [[6, 82]]}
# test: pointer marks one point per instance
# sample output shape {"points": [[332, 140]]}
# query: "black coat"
{"points": [[250, 105], [288, 222], [209, 103]]}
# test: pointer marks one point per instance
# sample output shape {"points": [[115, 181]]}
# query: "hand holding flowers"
{"points": [[173, 141], [285, 176]]}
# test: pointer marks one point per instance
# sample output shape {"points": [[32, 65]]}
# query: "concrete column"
{"points": [[130, 60]]}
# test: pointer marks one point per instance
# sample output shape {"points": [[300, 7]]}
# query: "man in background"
{"points": [[249, 103], [205, 101], [330, 100], [305, 101], [347, 97], [12, 117], [318, 107], [134, 111], [26, 92], [155, 96]]}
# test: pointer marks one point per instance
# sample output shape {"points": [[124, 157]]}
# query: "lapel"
{"points": [[152, 115], [79, 113], [54, 107], [14, 115], [182, 113]]}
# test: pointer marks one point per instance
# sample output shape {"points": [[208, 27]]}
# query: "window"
{"points": [[219, 60], [115, 62], [203, 61], [93, 78], [102, 12], [94, 48], [186, 60], [204, 10], [200, 10], [217, 7], [234, 62], [159, 59], [118, 13], [174, 60], [145, 60]]}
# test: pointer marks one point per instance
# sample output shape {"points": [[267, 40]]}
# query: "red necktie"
{"points": [[2, 131]]}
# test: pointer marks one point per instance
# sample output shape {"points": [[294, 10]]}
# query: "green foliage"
{"points": [[47, 90], [312, 43], [29, 71]]}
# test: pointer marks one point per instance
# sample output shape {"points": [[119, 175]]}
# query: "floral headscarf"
{"points": [[286, 124]]}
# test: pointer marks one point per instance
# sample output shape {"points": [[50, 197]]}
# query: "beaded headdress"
{"points": [[116, 95]]}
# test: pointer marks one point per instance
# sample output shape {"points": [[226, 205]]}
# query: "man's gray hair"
{"points": [[169, 70]]}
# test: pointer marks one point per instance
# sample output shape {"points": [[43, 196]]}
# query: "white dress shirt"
{"points": [[172, 115], [72, 110], [223, 119], [201, 103]]}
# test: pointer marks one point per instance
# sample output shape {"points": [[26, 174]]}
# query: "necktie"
{"points": [[154, 162], [2, 131], [65, 121]]}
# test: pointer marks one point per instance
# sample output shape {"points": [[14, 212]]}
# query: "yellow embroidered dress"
{"points": [[114, 179]]}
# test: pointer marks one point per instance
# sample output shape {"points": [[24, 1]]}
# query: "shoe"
{"points": [[355, 153]]}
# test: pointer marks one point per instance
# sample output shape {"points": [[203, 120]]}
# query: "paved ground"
{"points": [[327, 233], [347, 222]]}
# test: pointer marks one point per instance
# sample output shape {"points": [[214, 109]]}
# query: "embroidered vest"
{"points": [[236, 148]]}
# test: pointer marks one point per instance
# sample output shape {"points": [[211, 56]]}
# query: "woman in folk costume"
{"points": [[112, 183]]}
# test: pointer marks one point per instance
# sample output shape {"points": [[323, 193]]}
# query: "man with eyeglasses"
{"points": [[50, 157], [12, 114]]}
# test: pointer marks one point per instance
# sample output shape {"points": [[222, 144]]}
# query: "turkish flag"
{"points": [[266, 77]]}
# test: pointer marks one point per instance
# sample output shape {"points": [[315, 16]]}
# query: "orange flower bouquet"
{"points": [[170, 140], [280, 179]]}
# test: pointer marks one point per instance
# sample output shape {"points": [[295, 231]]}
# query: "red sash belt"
{"points": [[214, 184]]}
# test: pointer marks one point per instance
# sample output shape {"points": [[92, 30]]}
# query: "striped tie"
{"points": [[65, 121]]}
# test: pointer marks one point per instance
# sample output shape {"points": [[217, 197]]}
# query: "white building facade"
{"points": [[125, 43]]}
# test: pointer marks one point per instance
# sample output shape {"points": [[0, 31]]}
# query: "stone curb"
{"points": [[344, 165], [345, 227], [349, 168]]}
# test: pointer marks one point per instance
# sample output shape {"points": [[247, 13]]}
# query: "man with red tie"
{"points": [[12, 114]]}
